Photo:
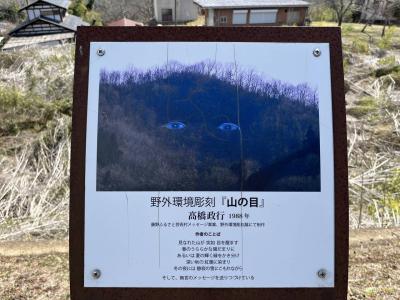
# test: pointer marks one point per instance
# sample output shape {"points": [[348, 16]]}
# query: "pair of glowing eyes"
{"points": [[175, 125]]}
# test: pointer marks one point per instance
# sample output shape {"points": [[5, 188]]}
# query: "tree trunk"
{"points": [[338, 17], [340, 20], [365, 27], [384, 28]]}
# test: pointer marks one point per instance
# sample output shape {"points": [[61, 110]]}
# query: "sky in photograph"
{"points": [[281, 61]]}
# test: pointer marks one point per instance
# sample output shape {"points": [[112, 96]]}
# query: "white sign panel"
{"points": [[209, 165]]}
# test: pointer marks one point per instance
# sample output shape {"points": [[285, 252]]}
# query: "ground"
{"points": [[39, 270], [374, 271]]}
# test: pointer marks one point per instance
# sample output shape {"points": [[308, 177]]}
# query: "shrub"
{"points": [[386, 42], [389, 204], [322, 13], [26, 112], [93, 18], [7, 59], [359, 46], [396, 77], [9, 11], [388, 60], [385, 70], [78, 8], [347, 28], [363, 107], [368, 101]]}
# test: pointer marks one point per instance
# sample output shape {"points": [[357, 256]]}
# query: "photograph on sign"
{"points": [[209, 164], [206, 126]]}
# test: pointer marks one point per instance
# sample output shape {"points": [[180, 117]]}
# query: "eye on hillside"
{"points": [[228, 127], [174, 125]]}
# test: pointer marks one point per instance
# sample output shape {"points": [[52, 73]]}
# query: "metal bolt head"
{"points": [[317, 52], [96, 274], [101, 52], [322, 274]]}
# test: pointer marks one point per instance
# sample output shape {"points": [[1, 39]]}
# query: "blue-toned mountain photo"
{"points": [[205, 127]]}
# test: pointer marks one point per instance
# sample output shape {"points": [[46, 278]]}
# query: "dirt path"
{"points": [[39, 270], [18, 248], [374, 271], [370, 235]]}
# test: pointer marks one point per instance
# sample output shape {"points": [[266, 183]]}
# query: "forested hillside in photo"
{"points": [[198, 127]]}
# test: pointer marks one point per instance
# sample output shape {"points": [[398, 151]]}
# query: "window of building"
{"points": [[51, 14], [223, 20], [239, 17], [166, 14], [263, 16], [33, 13]]}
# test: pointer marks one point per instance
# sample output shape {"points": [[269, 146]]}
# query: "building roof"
{"points": [[59, 3], [70, 22], [18, 42], [250, 3], [124, 22]]}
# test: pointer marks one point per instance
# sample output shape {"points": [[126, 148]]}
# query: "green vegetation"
{"points": [[323, 12], [388, 65], [366, 106], [386, 70], [78, 8], [9, 11], [347, 28], [372, 80], [386, 42], [388, 60], [372, 36], [396, 77], [390, 202], [358, 46], [84, 9], [35, 129], [21, 112]]}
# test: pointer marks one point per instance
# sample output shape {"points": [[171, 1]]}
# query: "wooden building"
{"points": [[174, 11], [253, 12], [47, 17]]}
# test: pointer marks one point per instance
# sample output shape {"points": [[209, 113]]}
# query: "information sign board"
{"points": [[209, 159]]}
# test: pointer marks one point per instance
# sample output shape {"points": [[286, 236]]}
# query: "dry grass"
{"points": [[371, 66], [200, 21], [34, 187], [374, 268], [35, 121], [35, 108]]}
